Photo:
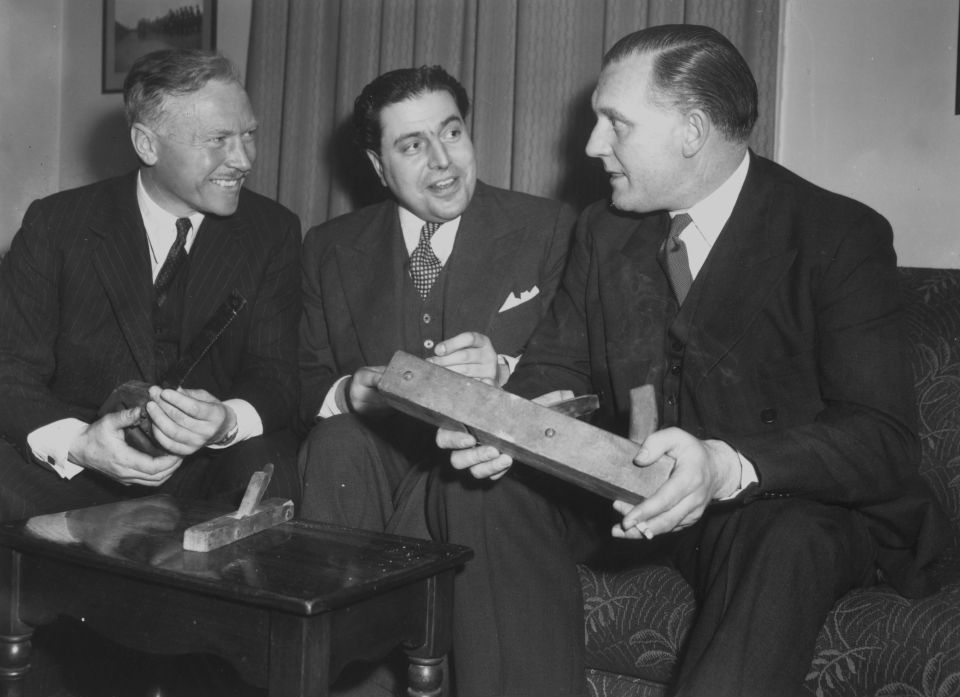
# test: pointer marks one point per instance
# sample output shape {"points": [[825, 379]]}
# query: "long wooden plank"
{"points": [[573, 450]]}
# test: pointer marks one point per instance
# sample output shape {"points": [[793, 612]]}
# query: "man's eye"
{"points": [[414, 146], [452, 134]]}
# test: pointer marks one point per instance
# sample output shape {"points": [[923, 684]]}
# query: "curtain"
{"points": [[529, 66]]}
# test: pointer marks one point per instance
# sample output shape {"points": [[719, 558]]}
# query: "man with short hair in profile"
{"points": [[122, 280], [764, 312]]}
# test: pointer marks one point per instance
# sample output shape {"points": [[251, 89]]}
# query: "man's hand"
{"points": [[470, 353], [186, 420], [703, 471], [101, 446], [485, 461], [363, 394]]}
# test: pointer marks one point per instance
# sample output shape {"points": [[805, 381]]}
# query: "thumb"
{"points": [[126, 417]]}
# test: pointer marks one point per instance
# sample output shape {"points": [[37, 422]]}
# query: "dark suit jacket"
{"points": [[795, 354], [353, 275], [75, 307]]}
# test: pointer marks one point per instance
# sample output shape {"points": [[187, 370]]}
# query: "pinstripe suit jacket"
{"points": [[795, 353], [75, 307]]}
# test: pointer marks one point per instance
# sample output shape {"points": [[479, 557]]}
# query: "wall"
{"points": [[57, 129], [867, 109], [30, 38]]}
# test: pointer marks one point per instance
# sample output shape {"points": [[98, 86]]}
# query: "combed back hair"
{"points": [[155, 77], [398, 86], [696, 67]]}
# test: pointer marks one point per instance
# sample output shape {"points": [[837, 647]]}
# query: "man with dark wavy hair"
{"points": [[448, 268], [764, 312], [115, 281]]}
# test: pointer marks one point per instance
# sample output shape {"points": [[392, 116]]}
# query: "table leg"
{"points": [[299, 656], [426, 669], [425, 677], [15, 636]]}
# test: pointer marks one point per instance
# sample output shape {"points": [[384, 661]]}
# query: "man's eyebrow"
{"points": [[453, 118]]}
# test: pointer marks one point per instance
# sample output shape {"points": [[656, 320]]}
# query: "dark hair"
{"points": [[398, 86], [170, 73], [697, 67]]}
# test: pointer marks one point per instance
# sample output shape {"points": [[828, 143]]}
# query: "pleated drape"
{"points": [[528, 65]]}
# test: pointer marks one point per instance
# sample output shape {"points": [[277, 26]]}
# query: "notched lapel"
{"points": [[122, 262], [482, 258], [217, 261], [371, 276]]}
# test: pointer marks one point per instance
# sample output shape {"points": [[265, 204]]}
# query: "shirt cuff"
{"points": [[334, 403], [748, 476], [249, 424], [505, 367], [50, 445]]}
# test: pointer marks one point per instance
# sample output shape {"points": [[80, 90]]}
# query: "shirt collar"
{"points": [[713, 212], [161, 225], [442, 240]]}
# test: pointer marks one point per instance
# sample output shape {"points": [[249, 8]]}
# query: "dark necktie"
{"points": [[174, 260], [678, 265], [424, 265]]}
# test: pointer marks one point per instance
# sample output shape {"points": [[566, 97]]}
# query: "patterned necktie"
{"points": [[424, 265], [678, 266], [174, 260]]}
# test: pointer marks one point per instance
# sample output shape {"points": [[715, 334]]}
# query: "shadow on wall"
{"points": [[108, 150]]}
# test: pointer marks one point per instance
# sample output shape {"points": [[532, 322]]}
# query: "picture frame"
{"points": [[132, 28]]}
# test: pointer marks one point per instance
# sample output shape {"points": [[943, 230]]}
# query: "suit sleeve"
{"points": [[267, 376], [29, 318], [557, 355], [318, 371], [861, 443]]}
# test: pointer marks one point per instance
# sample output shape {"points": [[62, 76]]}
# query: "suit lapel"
{"points": [[122, 263], [748, 261], [216, 259], [479, 260], [371, 273]]}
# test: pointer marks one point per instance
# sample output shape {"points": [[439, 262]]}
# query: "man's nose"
{"points": [[438, 155], [598, 144], [241, 154]]}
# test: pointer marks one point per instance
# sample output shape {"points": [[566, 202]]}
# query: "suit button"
{"points": [[426, 318], [671, 400], [675, 367], [768, 416], [428, 344]]}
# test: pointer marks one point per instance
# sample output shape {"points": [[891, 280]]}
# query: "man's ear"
{"points": [[144, 143], [696, 133], [377, 165]]}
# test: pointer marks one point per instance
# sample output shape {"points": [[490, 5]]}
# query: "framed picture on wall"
{"points": [[132, 28]]}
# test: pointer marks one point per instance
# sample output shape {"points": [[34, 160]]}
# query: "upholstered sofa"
{"points": [[874, 643]]}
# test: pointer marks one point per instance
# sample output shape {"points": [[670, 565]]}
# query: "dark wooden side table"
{"points": [[288, 607]]}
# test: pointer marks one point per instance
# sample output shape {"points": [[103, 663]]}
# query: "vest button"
{"points": [[768, 416], [426, 318], [428, 344], [675, 367], [671, 400]]}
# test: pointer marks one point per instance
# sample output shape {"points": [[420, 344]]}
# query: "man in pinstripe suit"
{"points": [[112, 282]]}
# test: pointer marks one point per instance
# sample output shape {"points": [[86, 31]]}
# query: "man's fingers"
{"points": [[551, 398], [464, 340], [449, 439]]}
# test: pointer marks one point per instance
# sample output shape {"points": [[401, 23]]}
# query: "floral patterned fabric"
{"points": [[874, 643]]}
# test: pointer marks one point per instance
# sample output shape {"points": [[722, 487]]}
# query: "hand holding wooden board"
{"points": [[553, 442]]}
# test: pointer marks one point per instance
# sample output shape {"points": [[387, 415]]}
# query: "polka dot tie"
{"points": [[424, 265]]}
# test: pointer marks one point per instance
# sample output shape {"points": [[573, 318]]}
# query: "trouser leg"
{"points": [[766, 575], [518, 607]]}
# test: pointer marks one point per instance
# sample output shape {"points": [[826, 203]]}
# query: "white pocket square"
{"points": [[513, 299]]}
